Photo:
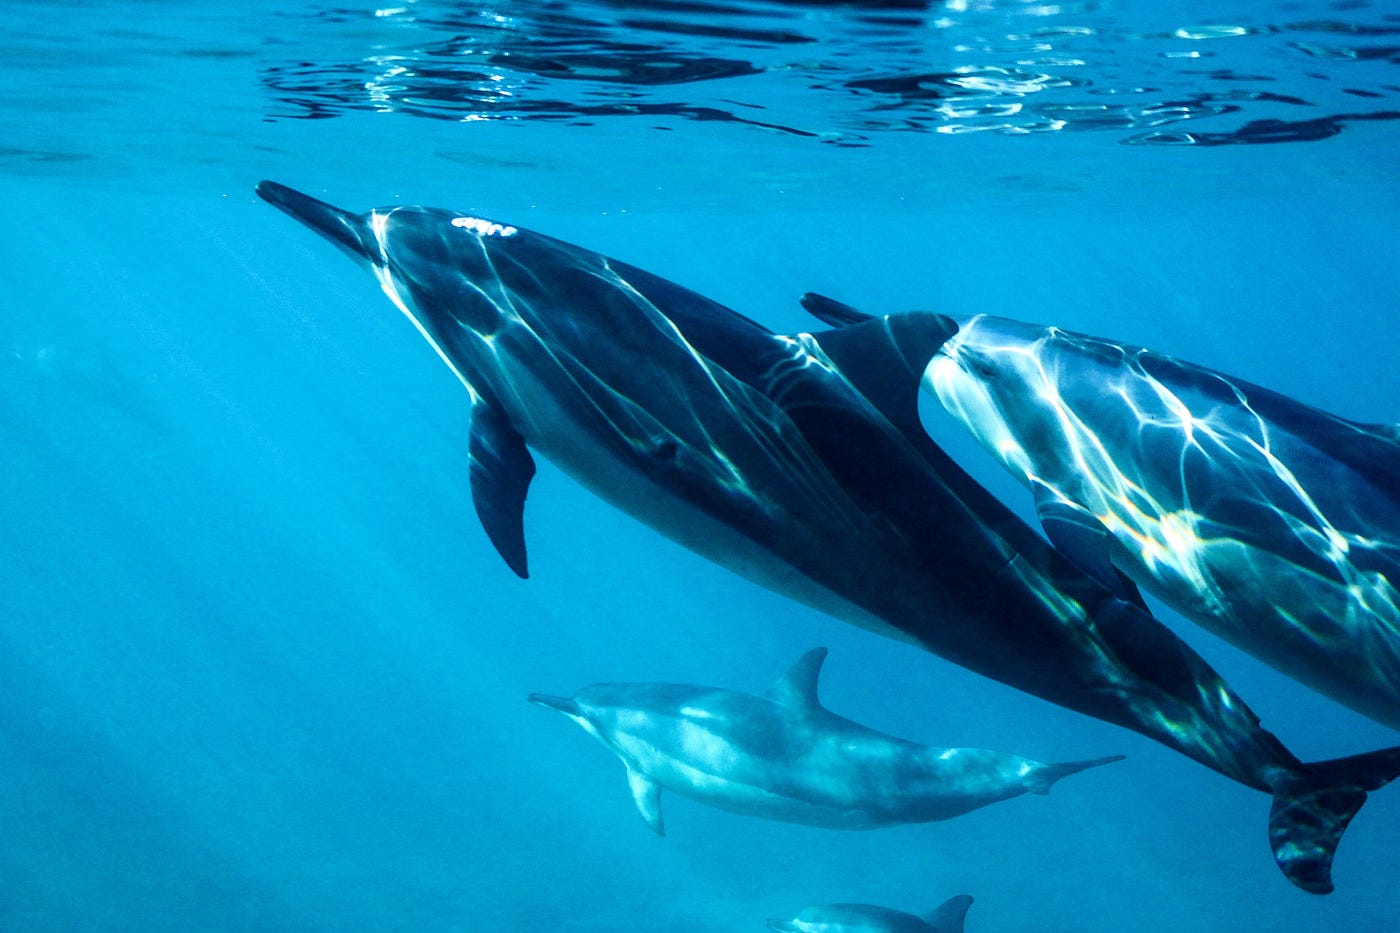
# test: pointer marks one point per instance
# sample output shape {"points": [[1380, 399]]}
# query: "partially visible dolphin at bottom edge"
{"points": [[868, 918]]}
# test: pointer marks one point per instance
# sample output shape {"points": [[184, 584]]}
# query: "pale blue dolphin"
{"points": [[1273, 524], [868, 918], [784, 756], [799, 462]]}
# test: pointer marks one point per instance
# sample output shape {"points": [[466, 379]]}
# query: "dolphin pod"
{"points": [[799, 462], [1273, 524], [867, 918], [784, 756]]}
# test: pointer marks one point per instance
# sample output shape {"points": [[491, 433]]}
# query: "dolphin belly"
{"points": [[607, 462]]}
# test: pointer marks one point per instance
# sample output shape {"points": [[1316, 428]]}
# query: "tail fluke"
{"points": [[1042, 778], [1312, 810]]}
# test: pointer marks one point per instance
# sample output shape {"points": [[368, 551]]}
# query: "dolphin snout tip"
{"points": [[274, 193], [558, 704], [348, 231]]}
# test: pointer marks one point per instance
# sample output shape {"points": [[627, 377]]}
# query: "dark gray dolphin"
{"points": [[1273, 524], [784, 756], [799, 462], [868, 918]]}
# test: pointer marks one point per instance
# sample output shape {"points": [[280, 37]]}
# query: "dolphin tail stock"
{"points": [[1041, 778], [1312, 809]]}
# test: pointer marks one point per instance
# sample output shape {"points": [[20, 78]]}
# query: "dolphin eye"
{"points": [[982, 368]]}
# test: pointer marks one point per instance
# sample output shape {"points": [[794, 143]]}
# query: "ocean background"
{"points": [[260, 668]]}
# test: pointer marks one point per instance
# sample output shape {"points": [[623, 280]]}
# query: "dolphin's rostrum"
{"points": [[784, 756], [799, 462]]}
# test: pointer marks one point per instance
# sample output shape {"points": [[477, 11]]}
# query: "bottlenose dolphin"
{"points": [[867, 918], [784, 756], [799, 462], [1273, 524]]}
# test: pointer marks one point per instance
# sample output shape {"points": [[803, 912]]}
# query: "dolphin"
{"points": [[867, 918], [784, 756], [799, 462], [1269, 522]]}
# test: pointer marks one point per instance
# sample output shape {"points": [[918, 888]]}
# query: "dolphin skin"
{"points": [[799, 462], [1273, 524], [867, 918], [783, 756]]}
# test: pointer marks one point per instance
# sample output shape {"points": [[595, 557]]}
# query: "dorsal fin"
{"points": [[948, 916], [833, 313], [884, 359], [797, 689]]}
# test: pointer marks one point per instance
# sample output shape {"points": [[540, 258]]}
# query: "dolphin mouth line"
{"points": [[344, 229], [558, 704]]}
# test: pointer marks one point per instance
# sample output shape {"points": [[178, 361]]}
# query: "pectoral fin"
{"points": [[1079, 535], [501, 470], [646, 794]]}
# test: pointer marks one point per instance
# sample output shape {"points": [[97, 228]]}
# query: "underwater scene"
{"points": [[941, 459]]}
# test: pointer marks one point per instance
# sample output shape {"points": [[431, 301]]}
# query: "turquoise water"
{"points": [[260, 668]]}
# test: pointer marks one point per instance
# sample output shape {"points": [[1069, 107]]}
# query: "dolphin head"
{"points": [[575, 707], [566, 705], [456, 276], [999, 378]]}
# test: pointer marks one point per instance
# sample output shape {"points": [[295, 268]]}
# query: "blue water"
{"points": [[260, 669]]}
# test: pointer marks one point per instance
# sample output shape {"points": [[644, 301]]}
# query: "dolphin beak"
{"points": [[559, 704], [349, 231], [784, 926]]}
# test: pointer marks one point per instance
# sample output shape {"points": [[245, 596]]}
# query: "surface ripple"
{"points": [[847, 74]]}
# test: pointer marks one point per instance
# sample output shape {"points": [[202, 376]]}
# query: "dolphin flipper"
{"points": [[646, 794], [948, 916], [501, 470], [1079, 535]]}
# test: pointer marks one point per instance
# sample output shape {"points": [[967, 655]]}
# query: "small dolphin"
{"points": [[867, 918], [783, 756], [1273, 524], [799, 461]]}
